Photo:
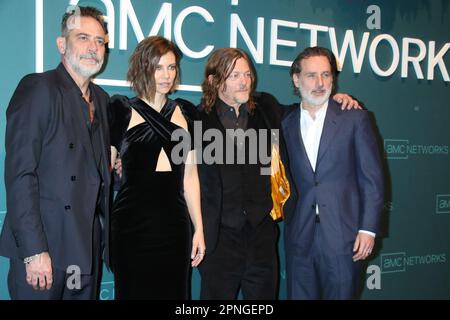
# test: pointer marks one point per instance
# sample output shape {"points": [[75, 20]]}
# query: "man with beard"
{"points": [[241, 236], [57, 170], [336, 179]]}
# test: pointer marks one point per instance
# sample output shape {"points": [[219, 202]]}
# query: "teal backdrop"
{"points": [[396, 63]]}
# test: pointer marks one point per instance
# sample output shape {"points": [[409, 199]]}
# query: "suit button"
{"points": [[71, 146], [73, 178], [316, 183], [67, 207], [245, 212]]}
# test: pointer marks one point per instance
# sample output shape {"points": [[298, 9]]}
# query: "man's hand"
{"points": [[346, 101], [39, 272], [118, 167], [363, 246]]}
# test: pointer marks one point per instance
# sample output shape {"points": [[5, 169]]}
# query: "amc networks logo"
{"points": [[396, 148], [107, 290], [401, 149], [399, 261], [393, 262], [443, 203]]}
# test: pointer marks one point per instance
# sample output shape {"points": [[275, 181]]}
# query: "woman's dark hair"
{"points": [[143, 62]]}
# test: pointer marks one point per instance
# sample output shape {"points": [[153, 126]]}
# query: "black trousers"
{"points": [[244, 259], [19, 289]]}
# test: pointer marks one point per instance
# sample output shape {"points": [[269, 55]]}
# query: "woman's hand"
{"points": [[198, 248]]}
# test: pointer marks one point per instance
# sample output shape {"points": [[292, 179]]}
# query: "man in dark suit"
{"points": [[240, 235], [335, 173], [57, 170]]}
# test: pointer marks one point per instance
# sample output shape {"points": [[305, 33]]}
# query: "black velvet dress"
{"points": [[150, 226]]}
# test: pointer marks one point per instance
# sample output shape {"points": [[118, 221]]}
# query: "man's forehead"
{"points": [[241, 64], [83, 24], [315, 63]]}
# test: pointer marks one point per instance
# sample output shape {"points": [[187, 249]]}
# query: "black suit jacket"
{"points": [[210, 175], [52, 180]]}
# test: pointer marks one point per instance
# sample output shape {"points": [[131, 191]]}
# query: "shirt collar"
{"points": [[320, 114], [222, 107], [70, 84]]}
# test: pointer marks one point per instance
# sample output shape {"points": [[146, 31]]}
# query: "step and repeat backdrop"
{"points": [[394, 57]]}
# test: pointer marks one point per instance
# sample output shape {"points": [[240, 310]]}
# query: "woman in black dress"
{"points": [[151, 239]]}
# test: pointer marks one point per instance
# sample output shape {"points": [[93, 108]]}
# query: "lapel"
{"points": [[330, 127], [294, 139], [211, 120], [71, 95], [104, 139]]}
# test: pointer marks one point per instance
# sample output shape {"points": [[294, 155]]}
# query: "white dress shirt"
{"points": [[311, 130]]}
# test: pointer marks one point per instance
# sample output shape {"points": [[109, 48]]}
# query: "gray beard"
{"points": [[309, 99], [85, 72]]}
